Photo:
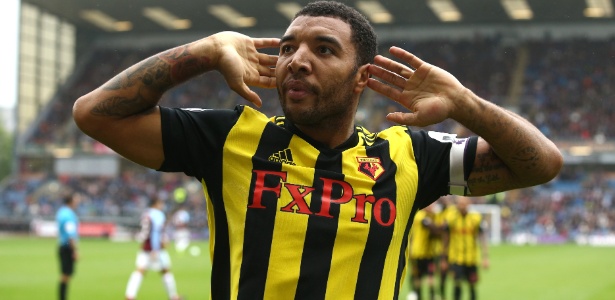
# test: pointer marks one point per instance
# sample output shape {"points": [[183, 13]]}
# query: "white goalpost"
{"points": [[492, 215]]}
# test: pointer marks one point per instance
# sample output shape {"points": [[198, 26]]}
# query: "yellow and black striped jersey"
{"points": [[464, 230], [292, 219], [423, 240], [440, 220]]}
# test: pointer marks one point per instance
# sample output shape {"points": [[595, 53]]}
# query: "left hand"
{"points": [[426, 90], [485, 262]]}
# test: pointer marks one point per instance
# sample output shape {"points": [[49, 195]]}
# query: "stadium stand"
{"points": [[539, 79]]}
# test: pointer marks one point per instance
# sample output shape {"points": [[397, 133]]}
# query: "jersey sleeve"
{"points": [[70, 227], [146, 226], [193, 138], [444, 163]]}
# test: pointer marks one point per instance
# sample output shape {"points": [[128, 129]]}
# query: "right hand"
{"points": [[430, 93], [242, 65], [444, 264]]}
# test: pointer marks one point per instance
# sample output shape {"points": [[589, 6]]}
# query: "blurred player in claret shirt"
{"points": [[181, 232], [152, 255]]}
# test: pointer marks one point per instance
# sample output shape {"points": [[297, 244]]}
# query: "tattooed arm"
{"points": [[511, 152], [123, 112]]}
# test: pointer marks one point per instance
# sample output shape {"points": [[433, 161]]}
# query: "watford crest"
{"points": [[370, 166]]}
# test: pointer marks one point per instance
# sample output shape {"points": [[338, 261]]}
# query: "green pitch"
{"points": [[29, 270]]}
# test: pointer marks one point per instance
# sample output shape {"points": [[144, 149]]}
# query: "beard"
{"points": [[331, 105]]}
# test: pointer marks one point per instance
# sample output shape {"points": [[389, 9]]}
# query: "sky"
{"points": [[9, 20]]}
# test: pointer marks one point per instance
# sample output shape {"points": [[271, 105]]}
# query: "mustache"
{"points": [[298, 82]]}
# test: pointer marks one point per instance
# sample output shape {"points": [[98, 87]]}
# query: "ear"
{"points": [[362, 77]]}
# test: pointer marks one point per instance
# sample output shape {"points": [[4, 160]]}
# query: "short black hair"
{"points": [[363, 36], [69, 198], [154, 200]]}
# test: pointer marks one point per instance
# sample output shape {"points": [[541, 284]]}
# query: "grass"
{"points": [[29, 270], [552, 272]]}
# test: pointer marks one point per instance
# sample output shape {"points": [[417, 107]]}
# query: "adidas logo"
{"points": [[284, 157]]}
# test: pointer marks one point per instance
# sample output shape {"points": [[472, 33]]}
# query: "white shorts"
{"points": [[181, 235], [146, 261]]}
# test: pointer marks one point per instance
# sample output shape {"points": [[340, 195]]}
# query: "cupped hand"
{"points": [[243, 66], [428, 92]]}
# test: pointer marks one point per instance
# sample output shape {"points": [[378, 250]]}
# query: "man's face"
{"points": [[76, 200], [462, 204], [316, 71]]}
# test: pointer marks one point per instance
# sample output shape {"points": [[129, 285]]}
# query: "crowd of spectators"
{"points": [[565, 89], [568, 88], [576, 205], [123, 197]]}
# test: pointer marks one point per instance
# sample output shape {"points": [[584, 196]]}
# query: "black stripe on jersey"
{"points": [[402, 254], [321, 232], [221, 264], [260, 221], [432, 162], [379, 237]]}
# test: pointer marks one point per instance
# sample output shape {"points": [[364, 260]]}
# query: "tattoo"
{"points": [[138, 89], [152, 73], [119, 107], [487, 179], [527, 156], [488, 162], [184, 65], [116, 83], [486, 169]]}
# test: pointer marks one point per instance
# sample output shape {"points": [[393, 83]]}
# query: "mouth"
{"points": [[297, 89]]}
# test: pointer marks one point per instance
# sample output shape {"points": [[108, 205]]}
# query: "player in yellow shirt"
{"points": [[423, 243], [446, 210], [465, 232]]}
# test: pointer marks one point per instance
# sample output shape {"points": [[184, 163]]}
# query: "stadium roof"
{"points": [[137, 16]]}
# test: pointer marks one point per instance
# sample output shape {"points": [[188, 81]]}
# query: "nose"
{"points": [[300, 61]]}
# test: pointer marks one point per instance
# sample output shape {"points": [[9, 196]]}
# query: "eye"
{"points": [[285, 49], [324, 50]]}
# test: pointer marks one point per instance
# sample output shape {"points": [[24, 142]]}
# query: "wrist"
{"points": [[465, 105], [210, 47]]}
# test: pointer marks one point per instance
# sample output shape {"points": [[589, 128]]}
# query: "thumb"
{"points": [[409, 118]]}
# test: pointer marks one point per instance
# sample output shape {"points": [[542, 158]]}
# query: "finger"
{"points": [[267, 60], [244, 91], [387, 76], [409, 118], [266, 71], [266, 82], [384, 89], [406, 56], [260, 43], [393, 66]]}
